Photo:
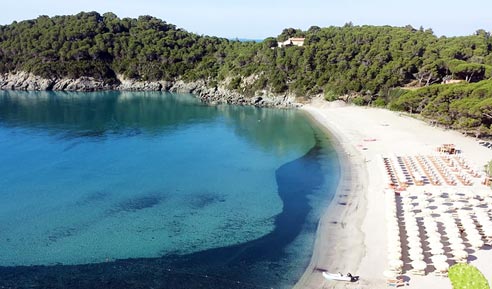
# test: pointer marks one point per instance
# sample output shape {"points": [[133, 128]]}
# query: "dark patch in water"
{"points": [[136, 204], [247, 265], [132, 132], [93, 134], [71, 146], [204, 200], [94, 197], [61, 233]]}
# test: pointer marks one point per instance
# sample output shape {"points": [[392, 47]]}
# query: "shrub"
{"points": [[465, 276]]}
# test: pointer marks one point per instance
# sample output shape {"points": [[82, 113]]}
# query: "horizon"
{"points": [[255, 20]]}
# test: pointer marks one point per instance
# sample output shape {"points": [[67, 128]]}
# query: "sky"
{"points": [[258, 19]]}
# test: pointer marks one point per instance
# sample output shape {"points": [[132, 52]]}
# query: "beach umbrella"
{"points": [[474, 202], [439, 258], [393, 255], [487, 229], [468, 226], [394, 250], [460, 254], [395, 264], [473, 236], [441, 266], [459, 204], [412, 229], [414, 242], [483, 219], [437, 251], [476, 243], [407, 207], [436, 244], [393, 223], [409, 216], [393, 229], [419, 265], [390, 274], [415, 251], [443, 208], [416, 257], [432, 233], [457, 246], [430, 226], [452, 230], [405, 194], [453, 240], [482, 194], [488, 200]]}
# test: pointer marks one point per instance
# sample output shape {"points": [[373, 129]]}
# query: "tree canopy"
{"points": [[369, 63]]}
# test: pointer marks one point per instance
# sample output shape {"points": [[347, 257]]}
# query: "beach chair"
{"points": [[417, 272], [395, 282]]}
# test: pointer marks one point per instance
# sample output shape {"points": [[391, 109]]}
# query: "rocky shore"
{"points": [[212, 95]]}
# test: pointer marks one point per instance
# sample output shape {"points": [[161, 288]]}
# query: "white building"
{"points": [[297, 41]]}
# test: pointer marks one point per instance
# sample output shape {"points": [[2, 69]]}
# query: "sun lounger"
{"points": [[395, 282]]}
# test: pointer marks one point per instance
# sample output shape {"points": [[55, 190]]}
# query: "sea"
{"points": [[157, 190]]}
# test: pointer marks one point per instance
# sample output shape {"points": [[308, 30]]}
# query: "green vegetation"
{"points": [[367, 65], [465, 276], [89, 44], [463, 106]]}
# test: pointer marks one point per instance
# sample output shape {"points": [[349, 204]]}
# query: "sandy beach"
{"points": [[352, 234]]}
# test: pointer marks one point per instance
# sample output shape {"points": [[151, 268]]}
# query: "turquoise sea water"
{"points": [[154, 187]]}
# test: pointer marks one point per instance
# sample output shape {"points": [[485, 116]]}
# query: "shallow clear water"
{"points": [[150, 189]]}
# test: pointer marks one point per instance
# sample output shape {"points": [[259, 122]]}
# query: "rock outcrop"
{"points": [[212, 95], [24, 81], [28, 81], [135, 85]]}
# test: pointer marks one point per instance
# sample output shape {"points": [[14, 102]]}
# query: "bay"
{"points": [[149, 189]]}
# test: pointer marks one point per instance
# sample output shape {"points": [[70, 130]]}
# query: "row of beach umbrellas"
{"points": [[431, 210]]}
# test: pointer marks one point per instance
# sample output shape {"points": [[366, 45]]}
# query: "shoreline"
{"points": [[357, 242], [338, 232]]}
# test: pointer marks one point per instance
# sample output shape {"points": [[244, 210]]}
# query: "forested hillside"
{"points": [[366, 64]]}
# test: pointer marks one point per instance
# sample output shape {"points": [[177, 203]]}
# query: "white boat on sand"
{"points": [[339, 277]]}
